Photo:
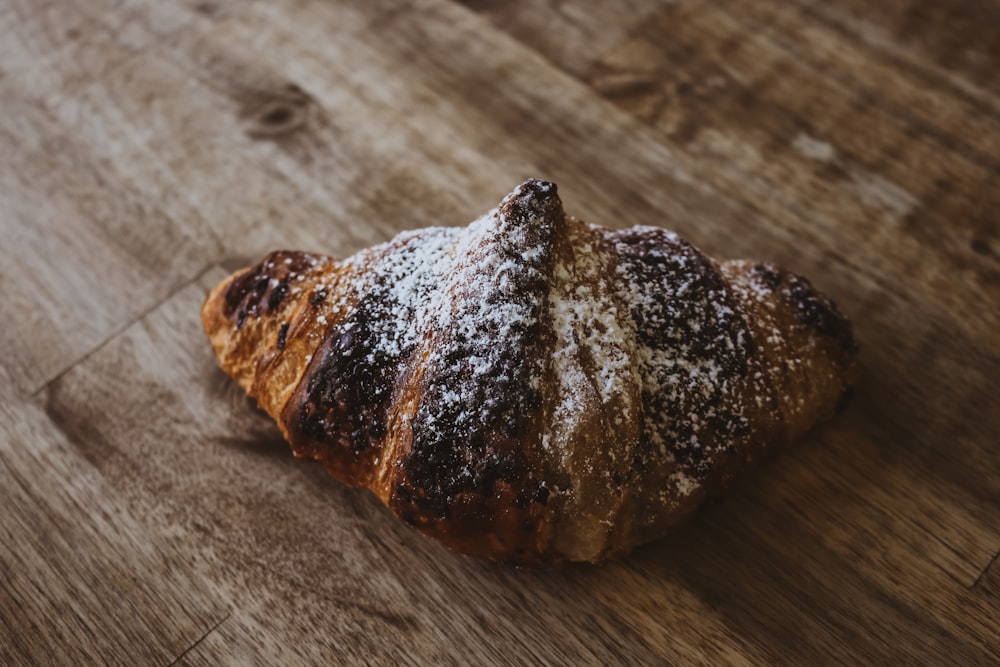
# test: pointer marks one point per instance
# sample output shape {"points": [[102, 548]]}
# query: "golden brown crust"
{"points": [[532, 388]]}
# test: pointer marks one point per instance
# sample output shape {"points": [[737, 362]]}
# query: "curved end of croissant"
{"points": [[248, 318], [217, 326], [809, 344], [820, 333]]}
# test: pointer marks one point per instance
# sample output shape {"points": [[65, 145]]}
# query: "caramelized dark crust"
{"points": [[338, 413], [531, 388], [468, 469]]}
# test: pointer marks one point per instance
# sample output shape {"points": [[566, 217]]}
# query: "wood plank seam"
{"points": [[198, 641], [121, 329], [979, 580]]}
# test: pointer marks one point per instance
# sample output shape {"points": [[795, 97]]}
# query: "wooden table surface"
{"points": [[149, 515]]}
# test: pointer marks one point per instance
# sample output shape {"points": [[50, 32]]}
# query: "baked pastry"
{"points": [[532, 388]]}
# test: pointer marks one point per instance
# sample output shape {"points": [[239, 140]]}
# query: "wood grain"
{"points": [[155, 145], [84, 582]]}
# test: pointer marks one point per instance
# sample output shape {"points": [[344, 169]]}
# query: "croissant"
{"points": [[531, 388]]}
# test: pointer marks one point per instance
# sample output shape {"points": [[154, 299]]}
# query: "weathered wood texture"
{"points": [[151, 515], [84, 581]]}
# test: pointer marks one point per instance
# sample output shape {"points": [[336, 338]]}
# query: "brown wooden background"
{"points": [[148, 514]]}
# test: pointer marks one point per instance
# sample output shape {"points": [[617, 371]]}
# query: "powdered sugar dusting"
{"points": [[692, 346], [585, 317], [484, 363], [373, 325], [592, 360], [520, 295]]}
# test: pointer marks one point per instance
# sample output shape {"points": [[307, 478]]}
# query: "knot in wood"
{"points": [[280, 114]]}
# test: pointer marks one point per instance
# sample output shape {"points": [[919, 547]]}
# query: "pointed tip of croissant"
{"points": [[532, 198], [537, 186]]}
